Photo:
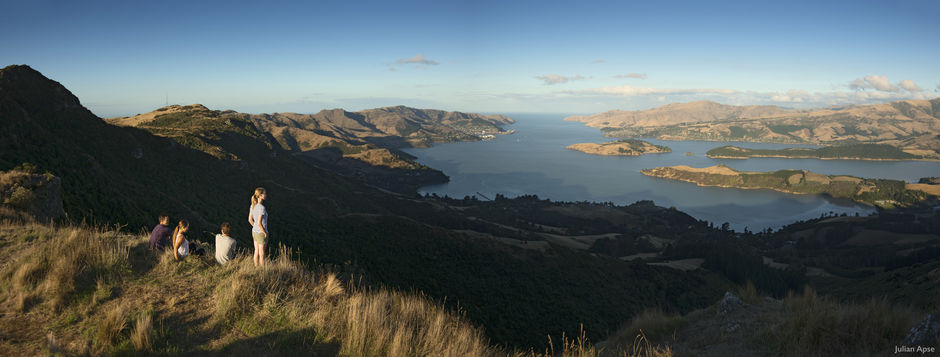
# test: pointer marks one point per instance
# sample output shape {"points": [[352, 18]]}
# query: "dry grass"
{"points": [[749, 294], [142, 334], [49, 267], [653, 324], [91, 298], [112, 326], [365, 323], [819, 326]]}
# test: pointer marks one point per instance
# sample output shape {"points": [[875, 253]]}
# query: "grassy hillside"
{"points": [[109, 294], [623, 147], [853, 151]]}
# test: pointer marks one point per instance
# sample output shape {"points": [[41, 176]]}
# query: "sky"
{"points": [[127, 57]]}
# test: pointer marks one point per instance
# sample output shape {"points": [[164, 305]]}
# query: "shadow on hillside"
{"points": [[143, 259], [281, 343]]}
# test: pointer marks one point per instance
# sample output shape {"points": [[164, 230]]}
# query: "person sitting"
{"points": [[160, 235], [224, 245], [180, 243]]}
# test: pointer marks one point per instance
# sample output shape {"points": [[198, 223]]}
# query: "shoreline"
{"points": [[813, 157]]}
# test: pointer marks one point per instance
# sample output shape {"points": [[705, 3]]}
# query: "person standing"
{"points": [[224, 245], [160, 235], [258, 218]]}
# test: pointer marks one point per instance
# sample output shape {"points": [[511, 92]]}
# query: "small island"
{"points": [[879, 192], [624, 147], [844, 152]]}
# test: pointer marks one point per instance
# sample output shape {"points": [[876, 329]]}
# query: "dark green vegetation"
{"points": [[852, 151], [881, 192], [639, 145]]}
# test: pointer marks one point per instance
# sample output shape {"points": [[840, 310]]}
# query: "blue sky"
{"points": [[124, 57]]}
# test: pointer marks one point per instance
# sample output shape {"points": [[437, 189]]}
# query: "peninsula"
{"points": [[624, 147], [879, 192], [846, 152]]}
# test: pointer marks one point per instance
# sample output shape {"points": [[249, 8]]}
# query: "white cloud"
{"points": [[417, 60], [858, 84], [631, 91], [632, 75], [550, 79], [910, 86], [881, 83]]}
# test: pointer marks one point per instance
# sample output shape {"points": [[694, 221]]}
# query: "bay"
{"points": [[535, 160]]}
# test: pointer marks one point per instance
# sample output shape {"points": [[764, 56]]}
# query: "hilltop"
{"points": [[911, 125]]}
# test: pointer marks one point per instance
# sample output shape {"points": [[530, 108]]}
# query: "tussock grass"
{"points": [[580, 346], [142, 334], [652, 324], [57, 261], [95, 303], [819, 326], [363, 322], [749, 294], [112, 326]]}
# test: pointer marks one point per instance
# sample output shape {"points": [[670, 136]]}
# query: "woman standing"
{"points": [[258, 218], [180, 243]]}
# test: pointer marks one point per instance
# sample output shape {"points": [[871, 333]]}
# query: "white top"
{"points": [[260, 216], [224, 248], [184, 247]]}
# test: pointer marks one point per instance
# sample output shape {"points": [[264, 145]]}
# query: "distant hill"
{"points": [[363, 145], [678, 113], [394, 127], [911, 125]]}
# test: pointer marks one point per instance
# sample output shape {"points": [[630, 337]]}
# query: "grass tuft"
{"points": [[141, 335], [820, 326]]}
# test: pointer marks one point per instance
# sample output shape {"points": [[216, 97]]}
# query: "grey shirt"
{"points": [[224, 248]]}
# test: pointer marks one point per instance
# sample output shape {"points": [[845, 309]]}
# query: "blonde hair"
{"points": [[179, 228], [254, 198]]}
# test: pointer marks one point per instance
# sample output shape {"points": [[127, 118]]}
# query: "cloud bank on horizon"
{"points": [[867, 90]]}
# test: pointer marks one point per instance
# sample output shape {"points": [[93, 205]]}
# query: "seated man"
{"points": [[224, 245], [160, 236]]}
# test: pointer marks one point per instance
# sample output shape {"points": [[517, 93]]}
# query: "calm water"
{"points": [[534, 161]]}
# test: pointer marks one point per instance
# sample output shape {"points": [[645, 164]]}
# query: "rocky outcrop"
{"points": [[40, 195], [927, 333], [728, 304]]}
